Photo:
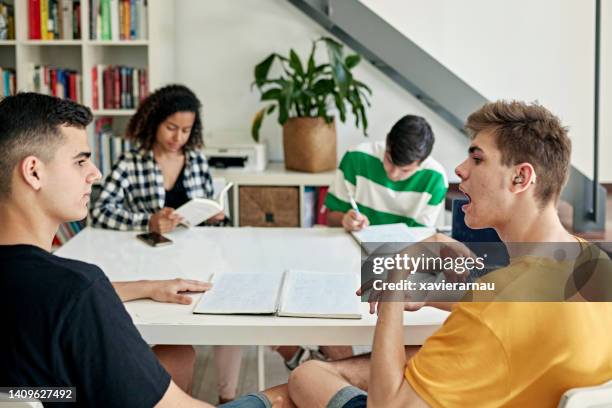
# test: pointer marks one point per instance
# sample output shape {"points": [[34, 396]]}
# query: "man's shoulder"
{"points": [[434, 167], [134, 157], [375, 149], [27, 263], [364, 155]]}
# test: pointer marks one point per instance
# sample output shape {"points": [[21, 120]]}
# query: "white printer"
{"points": [[243, 156]]}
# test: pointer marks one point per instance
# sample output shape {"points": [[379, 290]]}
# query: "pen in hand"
{"points": [[354, 204]]}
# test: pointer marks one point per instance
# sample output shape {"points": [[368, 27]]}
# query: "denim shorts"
{"points": [[347, 397]]}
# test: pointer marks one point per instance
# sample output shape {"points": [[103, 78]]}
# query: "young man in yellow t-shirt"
{"points": [[486, 354]]}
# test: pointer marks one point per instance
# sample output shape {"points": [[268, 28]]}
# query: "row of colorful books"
{"points": [[54, 19], [8, 82], [63, 83], [107, 146], [118, 87], [315, 212], [7, 21], [67, 231], [118, 19]]}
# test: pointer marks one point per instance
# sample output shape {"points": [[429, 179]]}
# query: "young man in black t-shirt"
{"points": [[64, 324]]}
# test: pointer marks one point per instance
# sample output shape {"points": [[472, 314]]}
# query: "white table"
{"points": [[198, 252]]}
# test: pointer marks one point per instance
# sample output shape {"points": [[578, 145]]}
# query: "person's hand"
{"points": [[165, 220], [451, 248], [217, 217], [354, 221], [374, 298], [170, 291]]}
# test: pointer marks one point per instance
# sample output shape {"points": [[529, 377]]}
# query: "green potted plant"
{"points": [[304, 97]]}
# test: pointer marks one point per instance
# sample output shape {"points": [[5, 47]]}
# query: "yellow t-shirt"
{"points": [[514, 354]]}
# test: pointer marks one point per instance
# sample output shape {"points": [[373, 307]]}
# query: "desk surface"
{"points": [[199, 252]]}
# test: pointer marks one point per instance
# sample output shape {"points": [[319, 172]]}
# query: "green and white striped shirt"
{"points": [[416, 201]]}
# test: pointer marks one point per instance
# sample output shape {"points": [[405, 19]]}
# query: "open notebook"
{"points": [[294, 293], [198, 210], [372, 238]]}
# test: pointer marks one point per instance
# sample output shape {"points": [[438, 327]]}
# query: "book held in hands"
{"points": [[198, 210]]}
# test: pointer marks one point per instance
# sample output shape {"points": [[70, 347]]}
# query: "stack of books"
{"points": [[67, 231], [7, 21], [63, 83], [118, 87], [118, 20], [54, 19], [107, 147], [8, 82]]}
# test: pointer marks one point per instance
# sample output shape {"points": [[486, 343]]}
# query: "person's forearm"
{"points": [[334, 218], [388, 355], [132, 290]]}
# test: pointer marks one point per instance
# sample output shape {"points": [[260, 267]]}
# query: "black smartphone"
{"points": [[155, 239]]}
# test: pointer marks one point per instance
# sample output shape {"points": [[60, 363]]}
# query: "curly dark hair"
{"points": [[157, 107]]}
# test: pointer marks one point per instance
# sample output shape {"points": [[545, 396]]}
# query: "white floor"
{"points": [[205, 378]]}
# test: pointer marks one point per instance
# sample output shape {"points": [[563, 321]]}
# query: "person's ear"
{"points": [[31, 170], [523, 176]]}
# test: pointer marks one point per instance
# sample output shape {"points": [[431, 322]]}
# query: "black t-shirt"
{"points": [[64, 325], [177, 195]]}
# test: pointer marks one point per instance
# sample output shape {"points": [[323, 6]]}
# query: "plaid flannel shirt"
{"points": [[134, 189]]}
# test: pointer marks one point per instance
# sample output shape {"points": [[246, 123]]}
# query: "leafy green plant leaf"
{"points": [[295, 63], [262, 69], [352, 61], [256, 125]]}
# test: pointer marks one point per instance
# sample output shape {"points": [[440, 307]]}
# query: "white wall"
{"points": [[220, 42], [530, 50]]}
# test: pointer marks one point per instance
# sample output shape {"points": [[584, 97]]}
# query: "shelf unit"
{"points": [[156, 54], [275, 175]]}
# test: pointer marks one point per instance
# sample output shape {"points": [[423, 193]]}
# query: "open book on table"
{"points": [[373, 237], [198, 210], [294, 293]]}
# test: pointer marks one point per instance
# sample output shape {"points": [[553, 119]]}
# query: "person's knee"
{"points": [[185, 354], [176, 355], [306, 372]]}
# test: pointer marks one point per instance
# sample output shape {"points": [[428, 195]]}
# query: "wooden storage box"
{"points": [[269, 206]]}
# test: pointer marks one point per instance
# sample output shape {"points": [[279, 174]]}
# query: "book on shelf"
{"points": [[118, 20], [7, 21], [118, 87], [106, 146], [293, 293], [54, 19], [60, 82], [321, 210], [8, 82], [66, 231]]}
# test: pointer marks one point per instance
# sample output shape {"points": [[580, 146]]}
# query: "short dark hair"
{"points": [[410, 139], [528, 133], [157, 107], [30, 125]]}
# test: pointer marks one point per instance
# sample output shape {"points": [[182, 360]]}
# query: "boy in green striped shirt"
{"points": [[393, 181]]}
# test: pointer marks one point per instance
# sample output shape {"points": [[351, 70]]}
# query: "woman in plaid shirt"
{"points": [[142, 191], [166, 170]]}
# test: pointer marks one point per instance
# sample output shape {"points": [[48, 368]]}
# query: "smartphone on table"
{"points": [[155, 239]]}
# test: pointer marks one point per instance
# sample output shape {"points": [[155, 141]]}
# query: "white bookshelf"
{"points": [[155, 53], [275, 175]]}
